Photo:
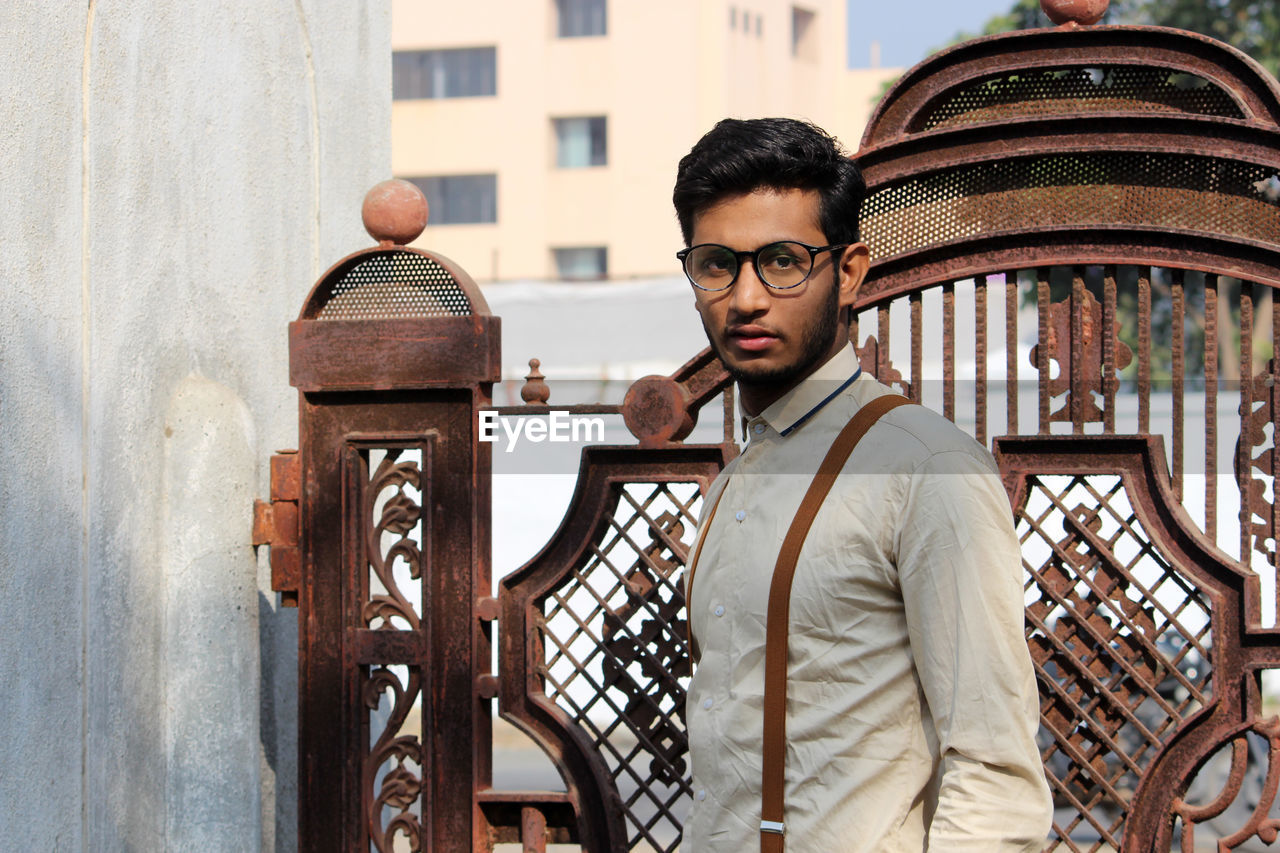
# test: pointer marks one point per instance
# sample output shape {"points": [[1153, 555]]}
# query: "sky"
{"points": [[909, 30]]}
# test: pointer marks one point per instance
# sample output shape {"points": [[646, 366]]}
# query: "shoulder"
{"points": [[718, 485], [918, 438]]}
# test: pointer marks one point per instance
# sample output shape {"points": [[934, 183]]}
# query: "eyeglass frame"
{"points": [[754, 255]]}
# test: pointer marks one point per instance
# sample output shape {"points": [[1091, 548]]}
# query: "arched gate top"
{"points": [[1120, 145], [1037, 74], [391, 316], [395, 283], [391, 281]]}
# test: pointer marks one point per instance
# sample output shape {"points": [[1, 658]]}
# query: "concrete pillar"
{"points": [[175, 173], [210, 632]]}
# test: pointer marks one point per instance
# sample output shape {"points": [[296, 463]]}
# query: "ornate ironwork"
{"points": [[393, 769], [1255, 421], [1253, 776], [644, 637], [1114, 181], [393, 514], [596, 622], [1120, 639], [392, 540], [614, 624], [394, 354], [870, 360], [1075, 343]]}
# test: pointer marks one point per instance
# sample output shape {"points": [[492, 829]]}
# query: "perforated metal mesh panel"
{"points": [[1071, 91], [1204, 194], [395, 285]]}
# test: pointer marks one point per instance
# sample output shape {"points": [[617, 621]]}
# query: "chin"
{"points": [[752, 373]]}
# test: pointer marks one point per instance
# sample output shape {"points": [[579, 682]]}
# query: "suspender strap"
{"points": [[774, 749]]}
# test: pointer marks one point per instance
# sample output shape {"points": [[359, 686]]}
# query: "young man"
{"points": [[910, 705]]}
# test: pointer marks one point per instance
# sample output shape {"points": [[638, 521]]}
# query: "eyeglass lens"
{"points": [[783, 264]]}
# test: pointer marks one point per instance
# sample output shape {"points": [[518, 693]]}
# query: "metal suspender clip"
{"points": [[773, 826]]}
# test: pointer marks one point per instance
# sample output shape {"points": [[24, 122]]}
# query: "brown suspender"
{"points": [[774, 748]]}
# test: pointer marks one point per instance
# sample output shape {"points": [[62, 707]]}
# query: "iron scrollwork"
{"points": [[400, 787], [400, 517], [392, 537]]}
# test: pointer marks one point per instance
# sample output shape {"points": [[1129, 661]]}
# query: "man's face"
{"points": [[769, 339]]}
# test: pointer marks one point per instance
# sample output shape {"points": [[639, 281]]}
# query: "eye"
{"points": [[783, 256], [713, 261]]}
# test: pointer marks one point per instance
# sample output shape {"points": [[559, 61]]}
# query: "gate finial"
{"points": [[394, 212], [535, 391], [1074, 13]]}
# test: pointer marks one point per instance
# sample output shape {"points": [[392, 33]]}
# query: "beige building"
{"points": [[546, 132]]}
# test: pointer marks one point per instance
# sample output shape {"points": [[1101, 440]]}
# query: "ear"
{"points": [[853, 269]]}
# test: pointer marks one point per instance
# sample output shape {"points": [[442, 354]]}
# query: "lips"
{"points": [[751, 338]]}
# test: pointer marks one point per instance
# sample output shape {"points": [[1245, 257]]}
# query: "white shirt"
{"points": [[912, 704]]}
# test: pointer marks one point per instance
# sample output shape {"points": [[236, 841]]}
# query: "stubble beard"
{"points": [[815, 344]]}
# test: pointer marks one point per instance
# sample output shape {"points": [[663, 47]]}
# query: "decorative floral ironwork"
{"points": [[1088, 374], [1253, 434], [400, 517], [869, 361], [390, 783], [1249, 804]]}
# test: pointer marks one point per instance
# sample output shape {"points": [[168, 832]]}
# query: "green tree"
{"points": [[1252, 26]]}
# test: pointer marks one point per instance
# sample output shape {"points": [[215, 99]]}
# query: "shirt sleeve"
{"points": [[960, 571]]}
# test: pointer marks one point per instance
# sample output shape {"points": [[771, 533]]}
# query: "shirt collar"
{"points": [[802, 402]]}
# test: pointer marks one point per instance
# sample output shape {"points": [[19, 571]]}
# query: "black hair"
{"points": [[737, 157]]}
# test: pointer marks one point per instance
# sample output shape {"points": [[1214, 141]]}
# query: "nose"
{"points": [[749, 295]]}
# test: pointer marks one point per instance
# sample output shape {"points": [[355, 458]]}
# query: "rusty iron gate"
{"points": [[1079, 231]]}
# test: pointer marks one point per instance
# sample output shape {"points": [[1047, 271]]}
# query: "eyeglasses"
{"points": [[781, 266]]}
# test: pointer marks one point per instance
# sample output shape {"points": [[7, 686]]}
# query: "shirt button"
{"points": [[719, 611], [741, 515], [701, 795], [759, 429], [706, 703]]}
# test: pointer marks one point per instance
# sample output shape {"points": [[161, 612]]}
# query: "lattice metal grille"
{"points": [[1202, 194], [1071, 91], [395, 285], [616, 656], [1121, 644]]}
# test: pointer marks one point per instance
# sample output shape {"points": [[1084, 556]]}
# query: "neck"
{"points": [[754, 399]]}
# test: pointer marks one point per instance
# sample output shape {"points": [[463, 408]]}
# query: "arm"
{"points": [[960, 571]]}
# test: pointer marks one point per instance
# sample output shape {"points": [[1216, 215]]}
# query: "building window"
{"points": [[583, 263], [467, 72], [460, 199], [759, 25], [577, 18], [804, 34], [581, 142], [733, 17]]}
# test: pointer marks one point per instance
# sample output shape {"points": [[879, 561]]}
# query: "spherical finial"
{"points": [[1074, 13], [394, 212], [656, 410]]}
